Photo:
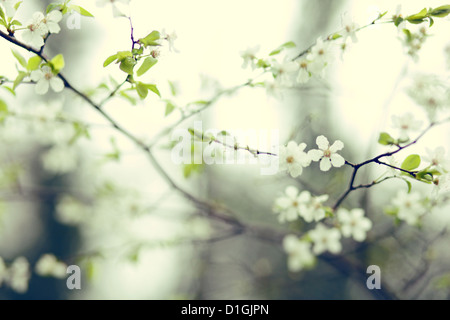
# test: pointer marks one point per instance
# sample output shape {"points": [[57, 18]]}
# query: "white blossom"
{"points": [[19, 275], [51, 21], [290, 205], [319, 56], [249, 56], [299, 253], [314, 209], [430, 92], [115, 9], [293, 159], [326, 154], [49, 266], [71, 211], [60, 159], [437, 159], [325, 239], [441, 185], [409, 206], [170, 38], [9, 6], [304, 74], [36, 30], [353, 223], [406, 124], [45, 78], [284, 73], [350, 28]]}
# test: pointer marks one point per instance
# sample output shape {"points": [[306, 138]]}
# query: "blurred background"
{"points": [[146, 241]]}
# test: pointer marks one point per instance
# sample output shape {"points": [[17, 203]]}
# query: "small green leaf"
{"points": [[57, 63], [398, 20], [385, 139], [127, 65], [33, 63], [151, 39], [411, 162], [441, 11], [169, 108], [422, 14], [286, 45], [173, 88], [154, 89], [2, 14], [17, 5], [121, 55], [3, 110], [53, 6], [409, 185], [15, 23], [146, 65], [19, 79], [142, 90], [81, 11], [109, 60], [130, 99], [431, 21], [19, 58]]}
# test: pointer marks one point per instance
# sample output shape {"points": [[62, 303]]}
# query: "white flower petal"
{"points": [[322, 142], [57, 84], [42, 86], [337, 160], [315, 154], [337, 145], [325, 164]]}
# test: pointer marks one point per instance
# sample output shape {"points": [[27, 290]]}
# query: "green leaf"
{"points": [[3, 110], [411, 162], [57, 63], [151, 39], [2, 14], [53, 6], [441, 11], [15, 23], [81, 11], [127, 65], [154, 89], [130, 99], [398, 20], [19, 58], [169, 108], [142, 90], [286, 45], [109, 60], [146, 65], [33, 63], [422, 14], [385, 139], [173, 88], [409, 185], [19, 79], [17, 5], [189, 169]]}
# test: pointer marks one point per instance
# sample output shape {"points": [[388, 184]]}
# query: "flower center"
{"points": [[48, 75], [290, 159], [321, 52], [303, 65], [295, 204], [327, 153]]}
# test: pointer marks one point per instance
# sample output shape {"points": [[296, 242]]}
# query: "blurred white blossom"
{"points": [[325, 239], [353, 223], [299, 253], [49, 266], [293, 159]]}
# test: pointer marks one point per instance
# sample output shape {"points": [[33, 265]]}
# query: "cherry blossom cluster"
{"points": [[293, 158], [302, 251], [17, 274]]}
